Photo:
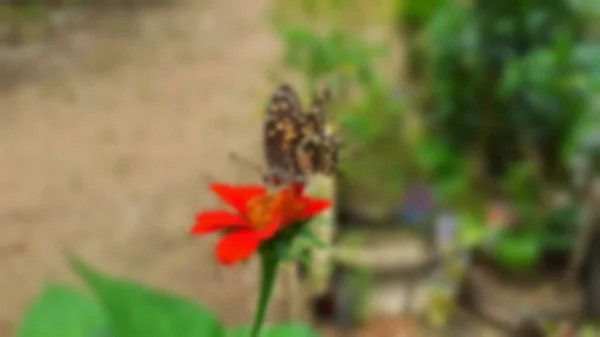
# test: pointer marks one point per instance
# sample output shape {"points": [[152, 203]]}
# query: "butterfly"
{"points": [[296, 143]]}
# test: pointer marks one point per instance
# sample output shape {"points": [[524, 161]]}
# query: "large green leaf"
{"points": [[138, 311], [281, 330], [471, 231], [63, 312], [291, 330], [518, 252], [238, 332]]}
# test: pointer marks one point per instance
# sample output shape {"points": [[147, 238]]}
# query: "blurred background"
{"points": [[467, 194]]}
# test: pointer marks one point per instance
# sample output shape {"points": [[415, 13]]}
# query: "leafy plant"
{"points": [[505, 76], [512, 85], [339, 55], [360, 282], [448, 172], [372, 128], [125, 308], [441, 305], [518, 251], [411, 18], [63, 311]]}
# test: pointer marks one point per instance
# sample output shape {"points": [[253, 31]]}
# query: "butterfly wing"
{"points": [[318, 154], [316, 116], [329, 154], [323, 148], [282, 134]]}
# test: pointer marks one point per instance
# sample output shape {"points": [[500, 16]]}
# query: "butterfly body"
{"points": [[296, 143]]}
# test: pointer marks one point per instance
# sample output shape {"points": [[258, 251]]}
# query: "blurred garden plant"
{"points": [[411, 18], [259, 222], [509, 88], [369, 108]]}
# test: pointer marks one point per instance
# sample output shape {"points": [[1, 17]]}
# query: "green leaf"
{"points": [[238, 332], [63, 312], [518, 252], [471, 231], [308, 234], [282, 330], [291, 330], [135, 310]]}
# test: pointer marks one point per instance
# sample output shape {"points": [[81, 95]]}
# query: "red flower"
{"points": [[258, 217]]}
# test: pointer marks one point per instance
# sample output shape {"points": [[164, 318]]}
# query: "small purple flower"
{"points": [[417, 204]]}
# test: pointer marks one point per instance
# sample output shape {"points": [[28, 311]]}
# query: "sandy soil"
{"points": [[111, 157]]}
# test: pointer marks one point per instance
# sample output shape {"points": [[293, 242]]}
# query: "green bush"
{"points": [[514, 85], [504, 74]]}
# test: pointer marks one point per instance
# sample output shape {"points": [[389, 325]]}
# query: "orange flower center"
{"points": [[262, 209], [290, 205]]}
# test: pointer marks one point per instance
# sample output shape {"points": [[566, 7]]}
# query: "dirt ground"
{"points": [[111, 157]]}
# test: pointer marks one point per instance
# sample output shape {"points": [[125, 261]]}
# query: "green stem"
{"points": [[269, 264]]}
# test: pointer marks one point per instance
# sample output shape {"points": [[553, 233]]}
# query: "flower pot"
{"points": [[506, 299], [375, 275]]}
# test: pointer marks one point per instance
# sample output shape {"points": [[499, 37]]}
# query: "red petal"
{"points": [[299, 189], [208, 222], [237, 196], [271, 229], [237, 246], [313, 207]]}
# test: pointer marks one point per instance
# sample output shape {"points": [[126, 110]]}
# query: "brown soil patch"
{"points": [[110, 156]]}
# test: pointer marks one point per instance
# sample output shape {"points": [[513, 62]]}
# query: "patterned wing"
{"points": [[315, 117], [318, 155], [282, 135], [318, 151], [284, 102], [329, 154]]}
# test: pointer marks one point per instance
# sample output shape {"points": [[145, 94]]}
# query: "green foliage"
{"points": [[441, 305], [523, 190], [504, 75], [411, 18], [513, 84], [63, 312], [346, 58], [510, 101], [518, 251], [372, 130], [125, 308], [559, 230], [471, 231], [135, 310], [416, 13], [359, 285], [454, 71], [443, 166], [283, 330]]}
